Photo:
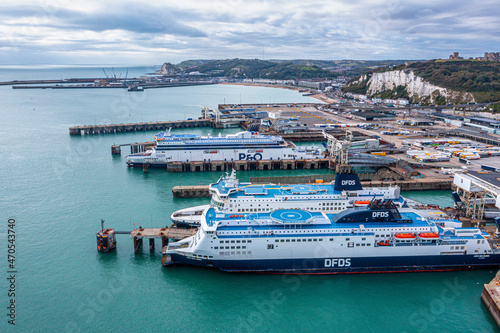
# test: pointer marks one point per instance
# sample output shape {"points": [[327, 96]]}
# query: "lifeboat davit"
{"points": [[407, 235], [429, 235], [361, 203]]}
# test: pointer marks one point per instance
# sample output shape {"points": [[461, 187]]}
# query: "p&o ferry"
{"points": [[232, 147]]}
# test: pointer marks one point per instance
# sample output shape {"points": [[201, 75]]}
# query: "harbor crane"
{"points": [[105, 74]]}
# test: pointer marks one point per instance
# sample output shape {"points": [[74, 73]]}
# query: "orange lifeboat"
{"points": [[384, 243], [429, 235], [361, 203], [407, 235]]}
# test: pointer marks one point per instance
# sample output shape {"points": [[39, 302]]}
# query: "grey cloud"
{"points": [[359, 29], [146, 20], [135, 18]]}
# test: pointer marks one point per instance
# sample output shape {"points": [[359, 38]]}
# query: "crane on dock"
{"points": [[105, 74]]}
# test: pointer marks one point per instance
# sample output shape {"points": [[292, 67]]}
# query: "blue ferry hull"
{"points": [[349, 265], [134, 165]]}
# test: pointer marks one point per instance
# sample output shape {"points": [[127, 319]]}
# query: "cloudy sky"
{"points": [[136, 32]]}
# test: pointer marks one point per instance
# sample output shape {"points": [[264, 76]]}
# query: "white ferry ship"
{"points": [[232, 197], [232, 147], [374, 238]]}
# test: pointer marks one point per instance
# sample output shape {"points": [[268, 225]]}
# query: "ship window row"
{"points": [[250, 210], [457, 248], [235, 241], [453, 242], [480, 241], [239, 205], [363, 244], [232, 253], [252, 200], [229, 247], [321, 204], [201, 256], [299, 240], [301, 231]]}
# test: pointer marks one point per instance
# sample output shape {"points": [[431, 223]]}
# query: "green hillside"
{"points": [[254, 68], [346, 67], [481, 78]]}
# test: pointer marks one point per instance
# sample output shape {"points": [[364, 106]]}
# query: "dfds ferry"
{"points": [[375, 238], [232, 147], [231, 196]]}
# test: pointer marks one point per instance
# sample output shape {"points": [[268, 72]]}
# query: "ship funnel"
{"points": [[347, 181]]}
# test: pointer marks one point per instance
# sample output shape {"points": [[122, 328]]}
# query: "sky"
{"points": [[139, 33]]}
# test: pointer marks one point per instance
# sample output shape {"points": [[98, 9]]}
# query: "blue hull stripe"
{"points": [[354, 265]]}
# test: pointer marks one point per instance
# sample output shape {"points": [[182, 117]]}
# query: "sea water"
{"points": [[57, 188]]}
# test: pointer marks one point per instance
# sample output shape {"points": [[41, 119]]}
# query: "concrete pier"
{"points": [[491, 297], [122, 85], [135, 127], [193, 191]]}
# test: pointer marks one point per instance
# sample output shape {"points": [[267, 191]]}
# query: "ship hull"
{"points": [[189, 154], [348, 265]]}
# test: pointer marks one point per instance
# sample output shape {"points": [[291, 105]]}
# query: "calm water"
{"points": [[58, 188]]}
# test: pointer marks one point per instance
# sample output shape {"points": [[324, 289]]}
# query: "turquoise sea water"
{"points": [[58, 187]]}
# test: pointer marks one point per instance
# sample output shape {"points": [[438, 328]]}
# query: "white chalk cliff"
{"points": [[416, 86]]}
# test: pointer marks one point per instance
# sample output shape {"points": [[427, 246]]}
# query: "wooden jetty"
{"points": [[163, 233], [106, 238]]}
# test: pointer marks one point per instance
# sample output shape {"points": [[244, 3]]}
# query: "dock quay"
{"points": [[491, 297], [106, 238], [135, 127], [422, 184], [244, 165], [135, 147], [308, 136], [73, 80], [474, 135], [106, 86]]}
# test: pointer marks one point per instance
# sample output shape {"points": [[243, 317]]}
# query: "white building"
{"points": [[390, 101]]}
